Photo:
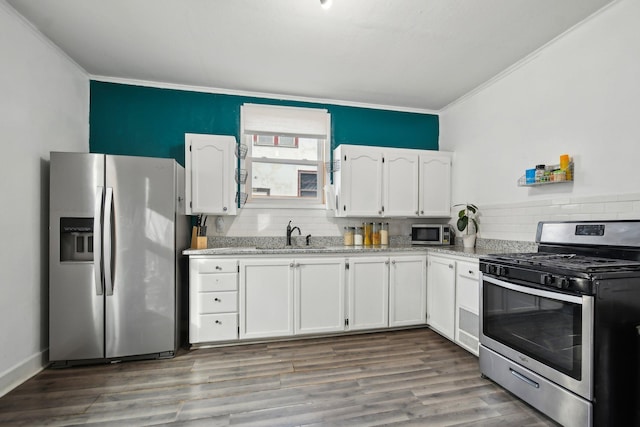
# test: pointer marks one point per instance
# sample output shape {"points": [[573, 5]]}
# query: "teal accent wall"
{"points": [[147, 121]]}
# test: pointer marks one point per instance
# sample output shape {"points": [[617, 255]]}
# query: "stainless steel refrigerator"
{"points": [[116, 232]]}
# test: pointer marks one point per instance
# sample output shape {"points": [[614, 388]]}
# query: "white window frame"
{"points": [[286, 121]]}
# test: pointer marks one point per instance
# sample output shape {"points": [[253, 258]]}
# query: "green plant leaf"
{"points": [[462, 223]]}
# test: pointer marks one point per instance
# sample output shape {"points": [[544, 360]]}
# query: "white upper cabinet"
{"points": [[359, 181], [209, 167], [400, 183], [435, 184], [391, 182]]}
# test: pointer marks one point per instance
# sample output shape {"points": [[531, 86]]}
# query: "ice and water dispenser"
{"points": [[76, 239]]}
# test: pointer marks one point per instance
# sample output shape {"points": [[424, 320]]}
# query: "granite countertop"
{"points": [[360, 250]]}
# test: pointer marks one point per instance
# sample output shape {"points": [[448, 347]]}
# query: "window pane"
{"points": [[283, 180], [284, 147]]}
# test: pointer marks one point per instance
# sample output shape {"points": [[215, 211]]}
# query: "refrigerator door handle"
{"points": [[108, 206], [97, 240]]}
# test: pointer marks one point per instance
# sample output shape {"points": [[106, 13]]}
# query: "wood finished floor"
{"points": [[400, 378]]}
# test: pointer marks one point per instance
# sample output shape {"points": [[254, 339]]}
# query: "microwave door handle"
{"points": [[97, 240], [108, 277]]}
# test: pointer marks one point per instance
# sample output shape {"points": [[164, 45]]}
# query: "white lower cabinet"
{"points": [[280, 296], [213, 299], [441, 295], [266, 298], [453, 300], [407, 290], [368, 292], [319, 291], [468, 305], [387, 291], [284, 296]]}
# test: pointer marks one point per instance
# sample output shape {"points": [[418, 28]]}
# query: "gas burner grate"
{"points": [[566, 261]]}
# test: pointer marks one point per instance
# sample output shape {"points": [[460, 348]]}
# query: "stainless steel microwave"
{"points": [[430, 234]]}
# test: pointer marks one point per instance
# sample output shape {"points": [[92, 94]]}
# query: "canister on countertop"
{"points": [[384, 233], [358, 237], [368, 231], [348, 235], [375, 234]]}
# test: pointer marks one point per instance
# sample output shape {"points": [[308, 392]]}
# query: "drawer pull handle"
{"points": [[470, 271], [217, 299], [521, 377], [218, 322], [218, 267]]}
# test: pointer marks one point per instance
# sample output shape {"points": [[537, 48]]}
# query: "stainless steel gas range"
{"points": [[560, 328]]}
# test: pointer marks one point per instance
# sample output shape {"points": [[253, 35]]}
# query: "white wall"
{"points": [[44, 107], [579, 95]]}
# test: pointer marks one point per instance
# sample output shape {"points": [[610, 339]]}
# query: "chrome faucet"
{"points": [[289, 231]]}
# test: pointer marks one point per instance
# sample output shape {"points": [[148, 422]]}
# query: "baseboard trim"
{"points": [[16, 375]]}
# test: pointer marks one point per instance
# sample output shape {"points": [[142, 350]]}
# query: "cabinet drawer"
{"points": [[217, 302], [468, 270], [217, 327], [211, 282], [216, 266]]}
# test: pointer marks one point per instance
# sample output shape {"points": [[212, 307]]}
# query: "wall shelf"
{"points": [[552, 178]]}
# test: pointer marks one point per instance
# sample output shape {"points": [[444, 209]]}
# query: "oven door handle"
{"points": [[558, 296], [527, 380]]}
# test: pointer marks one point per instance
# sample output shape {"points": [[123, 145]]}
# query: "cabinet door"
{"points": [[319, 295], [441, 290], [408, 290], [360, 181], [400, 183], [266, 298], [368, 293], [435, 184], [467, 305], [210, 167]]}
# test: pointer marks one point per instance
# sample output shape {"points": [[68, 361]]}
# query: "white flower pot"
{"points": [[469, 240]]}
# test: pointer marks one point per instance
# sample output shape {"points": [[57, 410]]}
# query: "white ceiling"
{"points": [[409, 54]]}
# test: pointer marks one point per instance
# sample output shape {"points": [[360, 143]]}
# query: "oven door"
{"points": [[550, 333]]}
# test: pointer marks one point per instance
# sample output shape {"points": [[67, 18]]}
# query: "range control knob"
{"points": [[562, 282], [547, 279]]}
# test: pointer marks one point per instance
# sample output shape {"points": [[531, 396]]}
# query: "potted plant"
{"points": [[466, 215]]}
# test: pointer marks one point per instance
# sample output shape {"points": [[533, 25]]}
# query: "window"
{"points": [[286, 152]]}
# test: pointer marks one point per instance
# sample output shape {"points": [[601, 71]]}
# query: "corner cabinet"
{"points": [[391, 182], [441, 295], [209, 170]]}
